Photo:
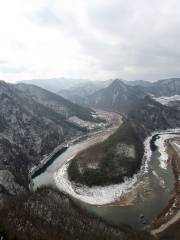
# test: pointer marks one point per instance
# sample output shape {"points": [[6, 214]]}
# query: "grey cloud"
{"points": [[148, 37], [139, 38], [45, 16]]}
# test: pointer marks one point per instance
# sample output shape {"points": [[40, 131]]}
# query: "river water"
{"points": [[152, 195], [47, 177], [149, 196]]}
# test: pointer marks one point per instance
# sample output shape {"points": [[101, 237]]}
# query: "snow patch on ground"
{"points": [[165, 100], [90, 125], [147, 154], [161, 145], [100, 195], [177, 144]]}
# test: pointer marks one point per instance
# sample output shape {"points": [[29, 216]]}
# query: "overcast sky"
{"points": [[94, 39]]}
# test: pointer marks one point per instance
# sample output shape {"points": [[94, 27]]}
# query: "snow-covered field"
{"points": [[100, 195], [107, 121], [166, 100], [92, 195], [86, 124]]}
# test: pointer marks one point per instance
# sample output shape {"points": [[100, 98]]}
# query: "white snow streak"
{"points": [[166, 100], [100, 195]]}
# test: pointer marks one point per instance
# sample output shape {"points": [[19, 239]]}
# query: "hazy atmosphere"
{"points": [[89, 120], [89, 39]]}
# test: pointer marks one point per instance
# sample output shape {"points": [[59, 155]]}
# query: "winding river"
{"points": [[137, 201]]}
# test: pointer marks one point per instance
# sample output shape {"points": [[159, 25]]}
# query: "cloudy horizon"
{"points": [[89, 39]]}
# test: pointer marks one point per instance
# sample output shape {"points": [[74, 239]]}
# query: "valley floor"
{"points": [[120, 195], [128, 193]]}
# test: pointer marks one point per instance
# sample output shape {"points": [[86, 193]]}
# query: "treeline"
{"points": [[48, 214], [112, 166]]}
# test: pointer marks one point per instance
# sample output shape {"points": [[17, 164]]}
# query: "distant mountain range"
{"points": [[164, 87], [76, 89], [55, 102], [142, 116], [118, 96], [136, 100], [33, 120], [55, 84], [138, 83], [77, 93]]}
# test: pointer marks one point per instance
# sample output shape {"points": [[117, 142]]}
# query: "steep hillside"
{"points": [[29, 130], [121, 155], [165, 87], [33, 121], [135, 103], [55, 102], [48, 214], [166, 92], [152, 115], [118, 96]]}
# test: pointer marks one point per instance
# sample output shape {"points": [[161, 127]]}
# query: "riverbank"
{"points": [[48, 160], [118, 194], [171, 214], [146, 198], [74, 146], [169, 218], [109, 120], [146, 194]]}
